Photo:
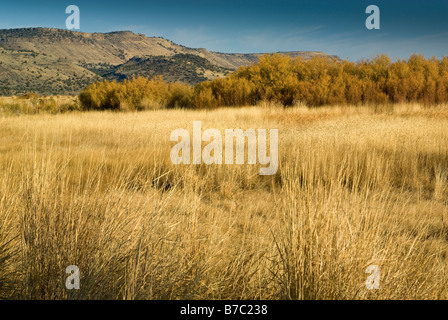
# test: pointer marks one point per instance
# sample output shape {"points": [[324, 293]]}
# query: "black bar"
{"points": [[222, 309]]}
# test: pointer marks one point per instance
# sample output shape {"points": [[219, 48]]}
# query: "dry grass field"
{"points": [[356, 186], [34, 104]]}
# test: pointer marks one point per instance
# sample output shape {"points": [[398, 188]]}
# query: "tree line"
{"points": [[282, 79]]}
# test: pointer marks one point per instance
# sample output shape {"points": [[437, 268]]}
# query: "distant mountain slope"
{"points": [[187, 68], [55, 61]]}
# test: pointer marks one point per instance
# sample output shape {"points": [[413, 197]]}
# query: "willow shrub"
{"points": [[136, 94], [282, 79], [323, 81]]}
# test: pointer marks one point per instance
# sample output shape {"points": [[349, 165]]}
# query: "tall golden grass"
{"points": [[35, 104], [356, 186]]}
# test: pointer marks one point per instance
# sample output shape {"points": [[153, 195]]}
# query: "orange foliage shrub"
{"points": [[320, 81], [281, 79], [136, 94]]}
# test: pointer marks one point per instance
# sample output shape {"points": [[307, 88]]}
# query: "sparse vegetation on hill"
{"points": [[184, 68], [63, 62], [27, 71]]}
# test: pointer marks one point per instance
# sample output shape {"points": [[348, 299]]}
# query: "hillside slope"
{"points": [[55, 61]]}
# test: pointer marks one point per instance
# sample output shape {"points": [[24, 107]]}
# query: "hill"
{"points": [[56, 61], [186, 68]]}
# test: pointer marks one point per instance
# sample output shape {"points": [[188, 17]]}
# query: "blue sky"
{"points": [[332, 26]]}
